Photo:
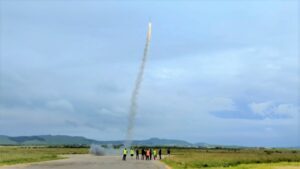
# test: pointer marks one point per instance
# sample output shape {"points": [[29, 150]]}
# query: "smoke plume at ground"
{"points": [[135, 93], [101, 151]]}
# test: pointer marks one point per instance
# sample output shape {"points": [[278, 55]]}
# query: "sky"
{"points": [[219, 72]]}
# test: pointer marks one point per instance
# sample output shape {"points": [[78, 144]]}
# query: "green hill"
{"points": [[5, 140], [163, 142], [76, 140], [45, 140]]}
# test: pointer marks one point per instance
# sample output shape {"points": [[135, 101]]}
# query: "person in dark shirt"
{"points": [[137, 154], [168, 152], [159, 153], [143, 153], [151, 151]]}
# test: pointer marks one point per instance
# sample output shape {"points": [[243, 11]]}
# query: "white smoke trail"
{"points": [[99, 150], [134, 96]]}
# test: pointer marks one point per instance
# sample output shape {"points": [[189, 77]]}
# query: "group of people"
{"points": [[146, 154]]}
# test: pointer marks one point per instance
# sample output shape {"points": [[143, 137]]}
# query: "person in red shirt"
{"points": [[148, 154]]}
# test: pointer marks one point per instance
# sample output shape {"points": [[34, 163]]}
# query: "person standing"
{"points": [[154, 154], [148, 154], [151, 153], [143, 153], [159, 153], [137, 154], [169, 152], [131, 153], [124, 154]]}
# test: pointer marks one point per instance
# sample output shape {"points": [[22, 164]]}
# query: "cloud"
{"points": [[71, 123], [259, 111], [287, 110], [58, 76], [222, 104], [60, 105], [269, 110], [262, 109]]}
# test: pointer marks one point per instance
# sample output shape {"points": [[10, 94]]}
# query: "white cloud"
{"points": [[269, 109], [192, 70], [165, 73], [287, 110], [104, 111], [60, 105], [263, 109], [222, 104], [21, 116]]}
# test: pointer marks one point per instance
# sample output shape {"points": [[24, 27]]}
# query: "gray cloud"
{"points": [[208, 65]]}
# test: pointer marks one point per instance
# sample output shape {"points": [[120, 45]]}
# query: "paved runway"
{"points": [[91, 162]]}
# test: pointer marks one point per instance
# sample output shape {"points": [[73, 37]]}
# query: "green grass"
{"points": [[201, 158], [16, 154], [279, 165]]}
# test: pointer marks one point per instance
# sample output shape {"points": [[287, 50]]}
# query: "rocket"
{"points": [[149, 31]]}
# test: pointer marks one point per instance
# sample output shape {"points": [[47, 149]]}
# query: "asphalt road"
{"points": [[91, 162]]}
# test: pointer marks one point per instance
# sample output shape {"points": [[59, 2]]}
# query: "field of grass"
{"points": [[15, 154], [180, 159], [235, 159], [279, 165]]}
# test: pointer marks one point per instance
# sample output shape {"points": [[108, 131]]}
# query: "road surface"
{"points": [[91, 162]]}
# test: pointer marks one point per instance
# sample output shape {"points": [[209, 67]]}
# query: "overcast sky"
{"points": [[220, 72]]}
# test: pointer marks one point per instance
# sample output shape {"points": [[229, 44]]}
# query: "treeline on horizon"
{"points": [[118, 146]]}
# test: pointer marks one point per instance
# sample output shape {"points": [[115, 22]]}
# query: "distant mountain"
{"points": [[71, 140], [44, 140], [162, 142], [205, 145], [202, 145], [5, 140]]}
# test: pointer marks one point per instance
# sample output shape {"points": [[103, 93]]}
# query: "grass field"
{"points": [[180, 159], [235, 159], [14, 155], [278, 165]]}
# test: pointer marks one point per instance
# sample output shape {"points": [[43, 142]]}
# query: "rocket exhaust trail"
{"points": [[135, 93]]}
